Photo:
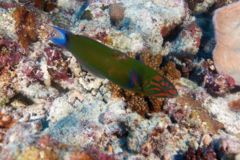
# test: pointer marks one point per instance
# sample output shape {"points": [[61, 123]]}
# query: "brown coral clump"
{"points": [[234, 105], [208, 154], [170, 71], [80, 156], [25, 26], [6, 122], [193, 3], [116, 13], [151, 60], [140, 103], [157, 104]]}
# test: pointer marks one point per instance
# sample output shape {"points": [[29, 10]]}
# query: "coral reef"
{"points": [[52, 108]]}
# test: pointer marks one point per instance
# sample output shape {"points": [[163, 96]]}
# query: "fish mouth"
{"points": [[60, 38]]}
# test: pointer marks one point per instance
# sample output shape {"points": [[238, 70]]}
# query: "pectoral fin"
{"points": [[134, 80]]}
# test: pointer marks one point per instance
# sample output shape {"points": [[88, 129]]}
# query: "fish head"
{"points": [[61, 37], [159, 86]]}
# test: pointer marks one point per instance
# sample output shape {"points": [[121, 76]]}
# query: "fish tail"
{"points": [[61, 38]]}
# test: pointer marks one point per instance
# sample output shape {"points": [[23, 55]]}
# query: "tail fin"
{"points": [[61, 37]]}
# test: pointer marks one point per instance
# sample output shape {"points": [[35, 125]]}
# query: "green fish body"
{"points": [[114, 65]]}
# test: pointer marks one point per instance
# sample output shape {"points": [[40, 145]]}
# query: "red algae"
{"points": [[10, 54], [208, 154], [25, 26]]}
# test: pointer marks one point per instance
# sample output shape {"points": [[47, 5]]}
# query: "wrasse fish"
{"points": [[114, 65]]}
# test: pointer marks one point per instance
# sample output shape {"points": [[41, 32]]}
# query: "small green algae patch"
{"points": [[103, 7], [86, 15], [3, 99]]}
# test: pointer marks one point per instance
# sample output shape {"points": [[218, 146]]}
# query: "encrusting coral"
{"points": [[226, 52], [189, 113], [140, 103]]}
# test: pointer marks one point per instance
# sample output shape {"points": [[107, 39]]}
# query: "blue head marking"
{"points": [[61, 37], [134, 79]]}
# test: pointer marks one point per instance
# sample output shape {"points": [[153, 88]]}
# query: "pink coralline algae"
{"points": [[31, 70], [10, 54], [229, 146], [219, 83], [167, 29], [96, 154], [52, 56], [57, 59], [6, 5], [189, 39], [153, 139], [193, 31], [56, 64]]}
